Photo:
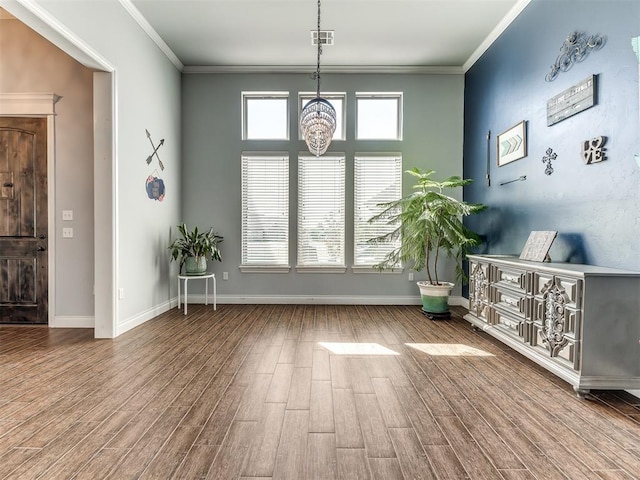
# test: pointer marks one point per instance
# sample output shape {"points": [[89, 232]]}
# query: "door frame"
{"points": [[40, 105]]}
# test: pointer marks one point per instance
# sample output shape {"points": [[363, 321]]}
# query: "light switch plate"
{"points": [[67, 232], [67, 214]]}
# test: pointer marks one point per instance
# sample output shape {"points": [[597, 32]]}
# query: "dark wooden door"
{"points": [[23, 220]]}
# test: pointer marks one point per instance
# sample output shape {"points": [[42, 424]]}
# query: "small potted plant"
{"points": [[193, 248], [429, 223]]}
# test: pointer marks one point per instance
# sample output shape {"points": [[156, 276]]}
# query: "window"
{"points": [[321, 197], [379, 116], [337, 100], [377, 179], [265, 115], [265, 211]]}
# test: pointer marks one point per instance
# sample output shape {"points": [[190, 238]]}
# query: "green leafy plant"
{"points": [[195, 243], [428, 222]]}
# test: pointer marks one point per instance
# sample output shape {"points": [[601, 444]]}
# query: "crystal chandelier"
{"points": [[318, 117]]}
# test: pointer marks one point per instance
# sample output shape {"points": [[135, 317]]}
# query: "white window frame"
{"points": [[264, 96], [383, 96], [305, 97], [281, 208], [361, 227], [322, 163]]}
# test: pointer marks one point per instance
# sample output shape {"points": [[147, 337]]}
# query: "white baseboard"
{"points": [[309, 300], [320, 300], [459, 301], [145, 316], [72, 322], [635, 393]]}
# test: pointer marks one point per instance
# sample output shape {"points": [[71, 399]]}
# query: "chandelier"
{"points": [[318, 117]]}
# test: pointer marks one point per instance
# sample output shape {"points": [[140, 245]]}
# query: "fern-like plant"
{"points": [[428, 222]]}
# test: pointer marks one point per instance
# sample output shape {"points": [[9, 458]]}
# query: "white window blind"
{"points": [[377, 179], [265, 210], [321, 193]]}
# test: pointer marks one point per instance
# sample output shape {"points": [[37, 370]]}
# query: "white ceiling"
{"points": [[368, 33]]}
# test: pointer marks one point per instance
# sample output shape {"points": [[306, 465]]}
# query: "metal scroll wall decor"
{"points": [[547, 159], [575, 49], [593, 150]]}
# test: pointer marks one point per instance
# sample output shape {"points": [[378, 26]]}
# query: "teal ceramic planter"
{"points": [[435, 298], [195, 265]]}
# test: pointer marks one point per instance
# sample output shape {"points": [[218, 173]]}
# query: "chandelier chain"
{"points": [[318, 117], [319, 53]]}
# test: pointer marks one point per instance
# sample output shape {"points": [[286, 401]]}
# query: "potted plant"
{"points": [[193, 248], [428, 224]]}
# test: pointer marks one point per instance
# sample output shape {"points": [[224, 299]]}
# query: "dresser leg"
{"points": [[581, 392]]}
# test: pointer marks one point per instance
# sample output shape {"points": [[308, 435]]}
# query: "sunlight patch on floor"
{"points": [[449, 349], [342, 348]]}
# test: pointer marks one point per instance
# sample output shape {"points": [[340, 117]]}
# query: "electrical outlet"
{"points": [[225, 275], [411, 277], [67, 215], [67, 232]]}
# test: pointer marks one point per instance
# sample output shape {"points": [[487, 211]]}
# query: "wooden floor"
{"points": [[299, 392]]}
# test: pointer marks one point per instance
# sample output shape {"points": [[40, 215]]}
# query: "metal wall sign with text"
{"points": [[571, 101]]}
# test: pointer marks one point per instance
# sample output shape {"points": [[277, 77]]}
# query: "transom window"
{"points": [[265, 115], [378, 116]]}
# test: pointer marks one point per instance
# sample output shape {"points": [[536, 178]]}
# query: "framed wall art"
{"points": [[512, 144]]}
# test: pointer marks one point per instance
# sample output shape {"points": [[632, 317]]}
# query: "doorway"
{"points": [[24, 273]]}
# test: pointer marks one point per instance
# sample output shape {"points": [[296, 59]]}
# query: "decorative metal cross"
{"points": [[547, 159], [155, 150]]}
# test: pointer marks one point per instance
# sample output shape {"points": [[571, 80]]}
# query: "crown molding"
{"points": [[495, 33], [151, 32], [419, 70], [28, 103], [41, 21]]}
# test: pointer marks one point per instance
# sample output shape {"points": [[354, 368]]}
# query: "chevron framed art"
{"points": [[512, 144]]}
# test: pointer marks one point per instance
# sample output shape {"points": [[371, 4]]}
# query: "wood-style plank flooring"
{"points": [[299, 392]]}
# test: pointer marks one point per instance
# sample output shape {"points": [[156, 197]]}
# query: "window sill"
{"points": [[265, 268], [321, 269], [365, 269]]}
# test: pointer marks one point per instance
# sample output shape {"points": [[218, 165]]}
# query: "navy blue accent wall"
{"points": [[595, 208]]}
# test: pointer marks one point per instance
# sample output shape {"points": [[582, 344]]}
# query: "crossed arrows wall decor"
{"points": [[155, 150]]}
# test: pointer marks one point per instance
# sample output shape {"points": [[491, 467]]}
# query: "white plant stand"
{"points": [[185, 279]]}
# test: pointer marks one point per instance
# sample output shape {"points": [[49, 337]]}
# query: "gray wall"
{"points": [[595, 207], [212, 146], [146, 96], [29, 63]]}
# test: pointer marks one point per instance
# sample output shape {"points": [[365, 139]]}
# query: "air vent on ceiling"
{"points": [[326, 37]]}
